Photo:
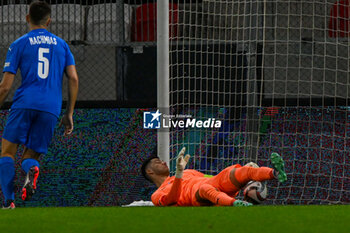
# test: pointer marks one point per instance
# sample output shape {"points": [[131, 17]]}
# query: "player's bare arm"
{"points": [[73, 87], [5, 86]]}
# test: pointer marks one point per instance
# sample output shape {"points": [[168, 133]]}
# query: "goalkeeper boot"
{"points": [[241, 203], [29, 186], [9, 205], [278, 166]]}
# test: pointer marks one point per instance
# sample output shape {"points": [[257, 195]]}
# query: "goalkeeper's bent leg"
{"points": [[241, 176], [209, 192]]}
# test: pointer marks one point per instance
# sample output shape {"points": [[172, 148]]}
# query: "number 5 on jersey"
{"points": [[43, 63]]}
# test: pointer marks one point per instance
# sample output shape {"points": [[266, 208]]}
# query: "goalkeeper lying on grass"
{"points": [[191, 188]]}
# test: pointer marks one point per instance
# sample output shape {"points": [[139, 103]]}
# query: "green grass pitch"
{"points": [[256, 219]]}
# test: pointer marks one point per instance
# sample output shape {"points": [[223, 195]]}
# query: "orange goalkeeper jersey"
{"points": [[179, 192], [182, 192]]}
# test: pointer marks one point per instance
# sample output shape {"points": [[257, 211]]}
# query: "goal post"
{"points": [[163, 140]]}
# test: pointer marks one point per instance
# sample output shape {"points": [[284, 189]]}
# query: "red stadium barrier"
{"points": [[144, 27], [339, 23]]}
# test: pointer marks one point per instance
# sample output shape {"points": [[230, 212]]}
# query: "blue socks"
{"points": [[28, 163], [7, 174]]}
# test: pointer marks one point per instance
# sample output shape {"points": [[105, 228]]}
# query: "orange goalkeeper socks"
{"points": [[208, 192], [245, 174]]}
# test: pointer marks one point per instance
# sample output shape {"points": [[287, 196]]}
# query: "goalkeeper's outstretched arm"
{"points": [[163, 198]]}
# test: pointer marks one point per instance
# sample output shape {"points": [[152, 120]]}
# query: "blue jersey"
{"points": [[42, 58]]}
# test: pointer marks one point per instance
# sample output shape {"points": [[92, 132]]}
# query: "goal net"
{"points": [[276, 73]]}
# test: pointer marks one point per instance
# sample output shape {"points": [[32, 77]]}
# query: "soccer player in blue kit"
{"points": [[42, 58]]}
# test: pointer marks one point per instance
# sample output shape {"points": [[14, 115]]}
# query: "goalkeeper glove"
{"points": [[181, 163], [241, 203]]}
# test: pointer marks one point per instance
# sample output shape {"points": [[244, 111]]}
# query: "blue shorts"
{"points": [[31, 128]]}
